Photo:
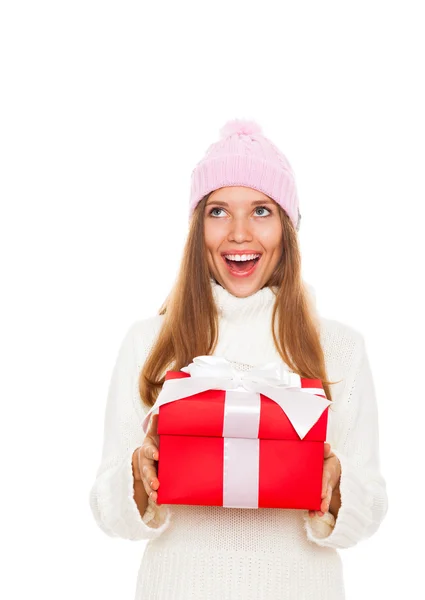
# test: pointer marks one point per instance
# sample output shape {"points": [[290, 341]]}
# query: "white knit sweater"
{"points": [[218, 553]]}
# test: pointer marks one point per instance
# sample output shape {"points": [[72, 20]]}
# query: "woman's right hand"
{"points": [[145, 459]]}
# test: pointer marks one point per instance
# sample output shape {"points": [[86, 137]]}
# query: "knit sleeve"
{"points": [[111, 496], [364, 502]]}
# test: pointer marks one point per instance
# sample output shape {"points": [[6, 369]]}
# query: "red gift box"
{"points": [[239, 447]]}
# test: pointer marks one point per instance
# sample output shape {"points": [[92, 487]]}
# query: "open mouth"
{"points": [[241, 264]]}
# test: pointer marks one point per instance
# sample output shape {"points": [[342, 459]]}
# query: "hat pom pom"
{"points": [[241, 127]]}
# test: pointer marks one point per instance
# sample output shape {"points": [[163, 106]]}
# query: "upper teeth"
{"points": [[241, 256]]}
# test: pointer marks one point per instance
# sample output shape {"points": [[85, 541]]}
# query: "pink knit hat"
{"points": [[244, 156]]}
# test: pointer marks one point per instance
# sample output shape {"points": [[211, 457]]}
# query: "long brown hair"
{"points": [[190, 326]]}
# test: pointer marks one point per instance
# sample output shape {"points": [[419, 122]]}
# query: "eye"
{"points": [[213, 209], [263, 208]]}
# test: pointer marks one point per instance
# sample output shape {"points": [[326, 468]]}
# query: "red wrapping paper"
{"points": [[191, 453]]}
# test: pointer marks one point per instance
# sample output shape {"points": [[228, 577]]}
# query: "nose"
{"points": [[240, 231]]}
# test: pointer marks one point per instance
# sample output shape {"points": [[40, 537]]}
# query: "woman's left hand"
{"points": [[330, 481]]}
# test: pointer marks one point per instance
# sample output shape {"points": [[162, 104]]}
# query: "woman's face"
{"points": [[243, 238]]}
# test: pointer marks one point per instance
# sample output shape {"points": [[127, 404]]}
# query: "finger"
{"points": [[143, 460], [149, 472], [147, 487], [327, 450], [153, 438], [153, 425], [327, 500], [139, 462], [325, 483], [150, 449], [149, 479]]}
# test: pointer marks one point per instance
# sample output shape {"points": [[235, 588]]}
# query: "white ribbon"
{"points": [[241, 472], [218, 366], [302, 405], [241, 449]]}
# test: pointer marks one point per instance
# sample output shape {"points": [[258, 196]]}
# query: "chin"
{"points": [[241, 288]]}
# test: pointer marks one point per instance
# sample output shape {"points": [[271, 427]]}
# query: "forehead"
{"points": [[237, 194]]}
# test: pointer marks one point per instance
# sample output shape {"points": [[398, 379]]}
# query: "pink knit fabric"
{"points": [[244, 156]]}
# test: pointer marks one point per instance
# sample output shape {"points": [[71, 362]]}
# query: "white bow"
{"points": [[219, 367], [302, 406]]}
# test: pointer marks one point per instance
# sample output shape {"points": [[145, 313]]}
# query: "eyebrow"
{"points": [[254, 203]]}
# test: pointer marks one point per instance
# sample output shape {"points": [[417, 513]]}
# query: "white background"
{"points": [[106, 108]]}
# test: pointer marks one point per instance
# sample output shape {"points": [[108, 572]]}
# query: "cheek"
{"points": [[271, 238], [213, 236], [212, 242]]}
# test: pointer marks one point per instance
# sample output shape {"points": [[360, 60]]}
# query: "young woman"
{"points": [[239, 294]]}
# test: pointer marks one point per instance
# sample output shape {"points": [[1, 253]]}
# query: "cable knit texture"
{"points": [[207, 552]]}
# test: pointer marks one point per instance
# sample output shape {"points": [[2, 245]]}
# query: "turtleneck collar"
{"points": [[230, 306], [245, 333], [261, 300]]}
